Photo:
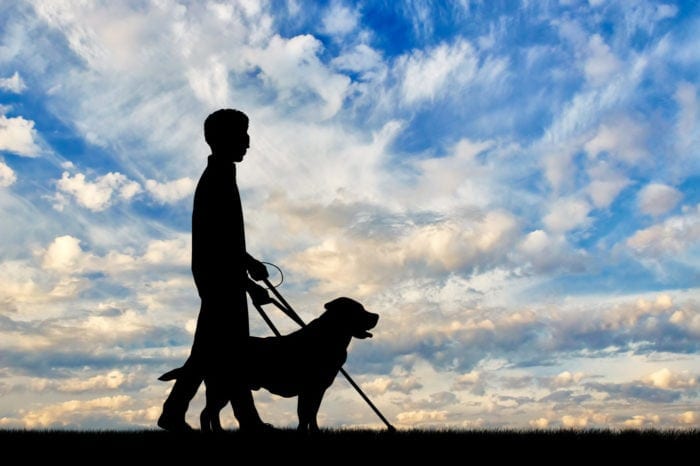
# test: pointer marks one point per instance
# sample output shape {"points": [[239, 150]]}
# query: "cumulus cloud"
{"points": [[601, 63], [64, 255], [17, 135], [539, 423], [622, 138], [110, 381], [566, 378], [382, 385], [639, 421], [339, 19], [13, 84], [606, 183], [547, 252], [689, 418], [96, 195], [567, 214], [171, 191], [72, 412], [666, 379], [472, 381], [7, 175], [443, 246], [674, 235], [657, 199], [574, 422], [422, 417]]}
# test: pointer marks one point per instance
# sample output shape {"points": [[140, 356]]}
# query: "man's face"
{"points": [[234, 145], [240, 147]]}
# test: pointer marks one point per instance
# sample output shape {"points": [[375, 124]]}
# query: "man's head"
{"points": [[226, 132]]}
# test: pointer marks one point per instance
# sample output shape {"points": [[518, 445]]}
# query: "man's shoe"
{"points": [[258, 427], [173, 425]]}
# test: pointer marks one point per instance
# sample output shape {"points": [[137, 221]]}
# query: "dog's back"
{"points": [[311, 356]]}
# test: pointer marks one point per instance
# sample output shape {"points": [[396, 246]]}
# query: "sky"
{"points": [[514, 187]]}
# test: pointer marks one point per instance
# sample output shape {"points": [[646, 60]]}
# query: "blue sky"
{"points": [[512, 186]]}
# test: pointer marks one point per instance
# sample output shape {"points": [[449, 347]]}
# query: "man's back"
{"points": [[218, 238]]}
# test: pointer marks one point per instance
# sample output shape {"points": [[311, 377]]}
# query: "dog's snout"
{"points": [[373, 319]]}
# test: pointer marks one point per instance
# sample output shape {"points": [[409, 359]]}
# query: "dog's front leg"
{"points": [[307, 410], [216, 399]]}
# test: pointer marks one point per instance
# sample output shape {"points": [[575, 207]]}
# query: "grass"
{"points": [[354, 446]]}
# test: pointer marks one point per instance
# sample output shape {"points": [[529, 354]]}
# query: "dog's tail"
{"points": [[171, 375]]}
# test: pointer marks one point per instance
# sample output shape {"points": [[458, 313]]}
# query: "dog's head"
{"points": [[351, 316]]}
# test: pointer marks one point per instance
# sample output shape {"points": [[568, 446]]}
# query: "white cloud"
{"points": [[566, 378], [666, 379], [171, 191], [363, 59], [64, 254], [13, 84], [99, 194], [539, 423], [352, 262], [689, 418], [7, 175], [339, 19], [71, 412], [672, 236], [623, 139], [175, 251], [559, 169], [601, 63], [18, 136], [427, 73], [567, 214], [606, 183], [657, 199], [639, 421], [293, 69], [574, 422], [687, 128], [422, 417], [110, 381], [382, 385]]}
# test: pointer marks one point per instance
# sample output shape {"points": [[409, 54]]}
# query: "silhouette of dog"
{"points": [[303, 363]]}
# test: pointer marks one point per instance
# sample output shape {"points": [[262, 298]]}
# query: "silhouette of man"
{"points": [[220, 266]]}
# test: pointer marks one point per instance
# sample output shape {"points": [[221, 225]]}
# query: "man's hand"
{"points": [[258, 294], [257, 269]]}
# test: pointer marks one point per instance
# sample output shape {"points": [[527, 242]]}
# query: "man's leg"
{"points": [[175, 406], [191, 377], [242, 400]]}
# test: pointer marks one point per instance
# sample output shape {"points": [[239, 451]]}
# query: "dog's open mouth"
{"points": [[369, 323]]}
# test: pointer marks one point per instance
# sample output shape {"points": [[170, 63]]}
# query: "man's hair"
{"points": [[223, 122]]}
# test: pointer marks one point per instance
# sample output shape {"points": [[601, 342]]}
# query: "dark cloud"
{"points": [[565, 396], [636, 391]]}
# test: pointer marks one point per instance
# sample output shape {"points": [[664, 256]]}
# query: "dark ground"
{"points": [[352, 447]]}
